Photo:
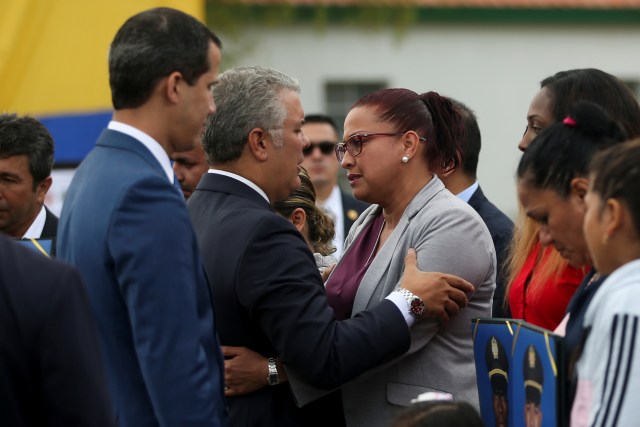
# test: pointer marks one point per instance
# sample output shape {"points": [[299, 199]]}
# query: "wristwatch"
{"points": [[416, 305], [273, 378]]}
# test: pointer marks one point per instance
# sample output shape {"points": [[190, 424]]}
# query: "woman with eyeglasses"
{"points": [[395, 141]]}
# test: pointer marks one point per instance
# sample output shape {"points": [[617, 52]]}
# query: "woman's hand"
{"points": [[443, 294], [246, 371]]}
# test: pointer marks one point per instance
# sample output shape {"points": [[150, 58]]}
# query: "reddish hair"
{"points": [[430, 115]]}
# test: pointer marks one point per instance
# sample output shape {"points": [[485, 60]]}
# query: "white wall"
{"points": [[495, 70]]}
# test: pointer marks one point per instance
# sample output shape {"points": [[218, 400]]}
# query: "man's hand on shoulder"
{"points": [[443, 294]]}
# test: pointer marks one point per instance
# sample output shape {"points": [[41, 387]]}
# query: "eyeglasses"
{"points": [[353, 144], [326, 147]]}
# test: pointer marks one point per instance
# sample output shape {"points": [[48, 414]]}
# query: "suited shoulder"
{"points": [[496, 220], [30, 274]]}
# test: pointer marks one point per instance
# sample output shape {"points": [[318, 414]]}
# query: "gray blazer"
{"points": [[449, 237]]}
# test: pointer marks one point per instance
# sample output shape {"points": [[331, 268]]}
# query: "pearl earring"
{"points": [[405, 159]]}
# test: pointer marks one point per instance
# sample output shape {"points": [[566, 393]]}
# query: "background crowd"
{"points": [[273, 297]]}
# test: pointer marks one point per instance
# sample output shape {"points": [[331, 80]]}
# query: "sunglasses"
{"points": [[326, 147]]}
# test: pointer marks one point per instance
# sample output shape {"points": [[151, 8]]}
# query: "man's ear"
{"points": [[171, 86], [257, 143], [299, 219], [42, 188], [579, 187]]}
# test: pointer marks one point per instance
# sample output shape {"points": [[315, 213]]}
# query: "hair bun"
{"points": [[593, 120]]}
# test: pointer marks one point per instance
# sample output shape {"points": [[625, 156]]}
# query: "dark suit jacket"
{"points": [[351, 208], [501, 229], [50, 230], [270, 298], [51, 371], [127, 229]]}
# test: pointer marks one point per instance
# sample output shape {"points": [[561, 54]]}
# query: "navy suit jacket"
{"points": [[271, 299], [127, 229], [501, 229], [51, 370]]}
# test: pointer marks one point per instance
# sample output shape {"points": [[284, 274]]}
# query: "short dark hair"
{"points": [[151, 45], [615, 174], [471, 139], [27, 136], [563, 151], [322, 118], [590, 84], [430, 115]]}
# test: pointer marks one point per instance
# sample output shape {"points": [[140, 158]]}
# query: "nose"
{"points": [[178, 172], [525, 142], [347, 160], [544, 236]]}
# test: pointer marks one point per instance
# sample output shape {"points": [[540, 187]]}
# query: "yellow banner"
{"points": [[53, 53]]}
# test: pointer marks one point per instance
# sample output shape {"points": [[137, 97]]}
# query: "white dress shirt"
{"points": [[36, 227]]}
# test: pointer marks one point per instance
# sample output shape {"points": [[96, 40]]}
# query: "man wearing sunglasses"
{"points": [[320, 162]]}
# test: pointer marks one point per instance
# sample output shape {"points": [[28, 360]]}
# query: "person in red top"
{"points": [[541, 283], [544, 305]]}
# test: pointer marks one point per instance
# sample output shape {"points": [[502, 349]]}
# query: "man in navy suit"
{"points": [[463, 182], [51, 370], [125, 226], [322, 166], [26, 159], [269, 293]]}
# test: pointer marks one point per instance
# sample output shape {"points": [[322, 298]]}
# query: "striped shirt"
{"points": [[609, 366]]}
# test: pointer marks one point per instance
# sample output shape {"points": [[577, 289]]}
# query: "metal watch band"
{"points": [[417, 307], [273, 378]]}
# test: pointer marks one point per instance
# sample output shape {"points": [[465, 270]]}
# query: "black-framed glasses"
{"points": [[326, 147]]}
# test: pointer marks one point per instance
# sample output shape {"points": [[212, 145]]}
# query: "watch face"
{"points": [[417, 307]]}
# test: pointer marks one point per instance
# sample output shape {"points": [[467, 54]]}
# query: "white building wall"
{"points": [[493, 69]]}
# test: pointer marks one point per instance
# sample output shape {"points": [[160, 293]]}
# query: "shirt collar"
{"points": [[243, 180], [466, 194], [152, 145], [36, 227]]}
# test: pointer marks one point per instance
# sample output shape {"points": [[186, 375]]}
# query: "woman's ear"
{"points": [[299, 219], [616, 216], [579, 187], [410, 141]]}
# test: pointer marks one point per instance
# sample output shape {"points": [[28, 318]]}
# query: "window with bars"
{"points": [[340, 96]]}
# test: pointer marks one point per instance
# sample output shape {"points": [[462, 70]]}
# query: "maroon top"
{"points": [[345, 279]]}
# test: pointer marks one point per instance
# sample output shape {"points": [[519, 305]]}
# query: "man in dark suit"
{"points": [[269, 293], [125, 226], [51, 370], [322, 166], [463, 182], [26, 159]]}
